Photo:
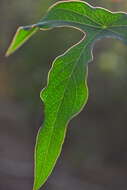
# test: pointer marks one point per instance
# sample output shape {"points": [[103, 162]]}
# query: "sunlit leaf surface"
{"points": [[66, 92]]}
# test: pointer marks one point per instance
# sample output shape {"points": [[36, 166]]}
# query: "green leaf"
{"points": [[67, 81], [75, 14], [66, 92], [21, 36]]}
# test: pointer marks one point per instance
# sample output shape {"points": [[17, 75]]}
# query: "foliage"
{"points": [[66, 92]]}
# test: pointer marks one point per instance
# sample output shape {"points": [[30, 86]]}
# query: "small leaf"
{"points": [[21, 36]]}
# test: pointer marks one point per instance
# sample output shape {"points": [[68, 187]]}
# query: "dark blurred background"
{"points": [[94, 155]]}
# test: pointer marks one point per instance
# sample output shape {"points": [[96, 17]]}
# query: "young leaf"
{"points": [[21, 36], [66, 92]]}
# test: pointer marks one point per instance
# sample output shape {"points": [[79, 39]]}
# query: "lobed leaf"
{"points": [[75, 14], [66, 92]]}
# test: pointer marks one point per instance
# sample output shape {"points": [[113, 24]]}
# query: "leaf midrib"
{"points": [[40, 24], [116, 33]]}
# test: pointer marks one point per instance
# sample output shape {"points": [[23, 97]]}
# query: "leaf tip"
{"points": [[21, 36], [11, 49], [8, 52], [35, 187]]}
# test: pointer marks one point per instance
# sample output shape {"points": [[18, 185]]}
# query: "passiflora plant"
{"points": [[66, 92]]}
